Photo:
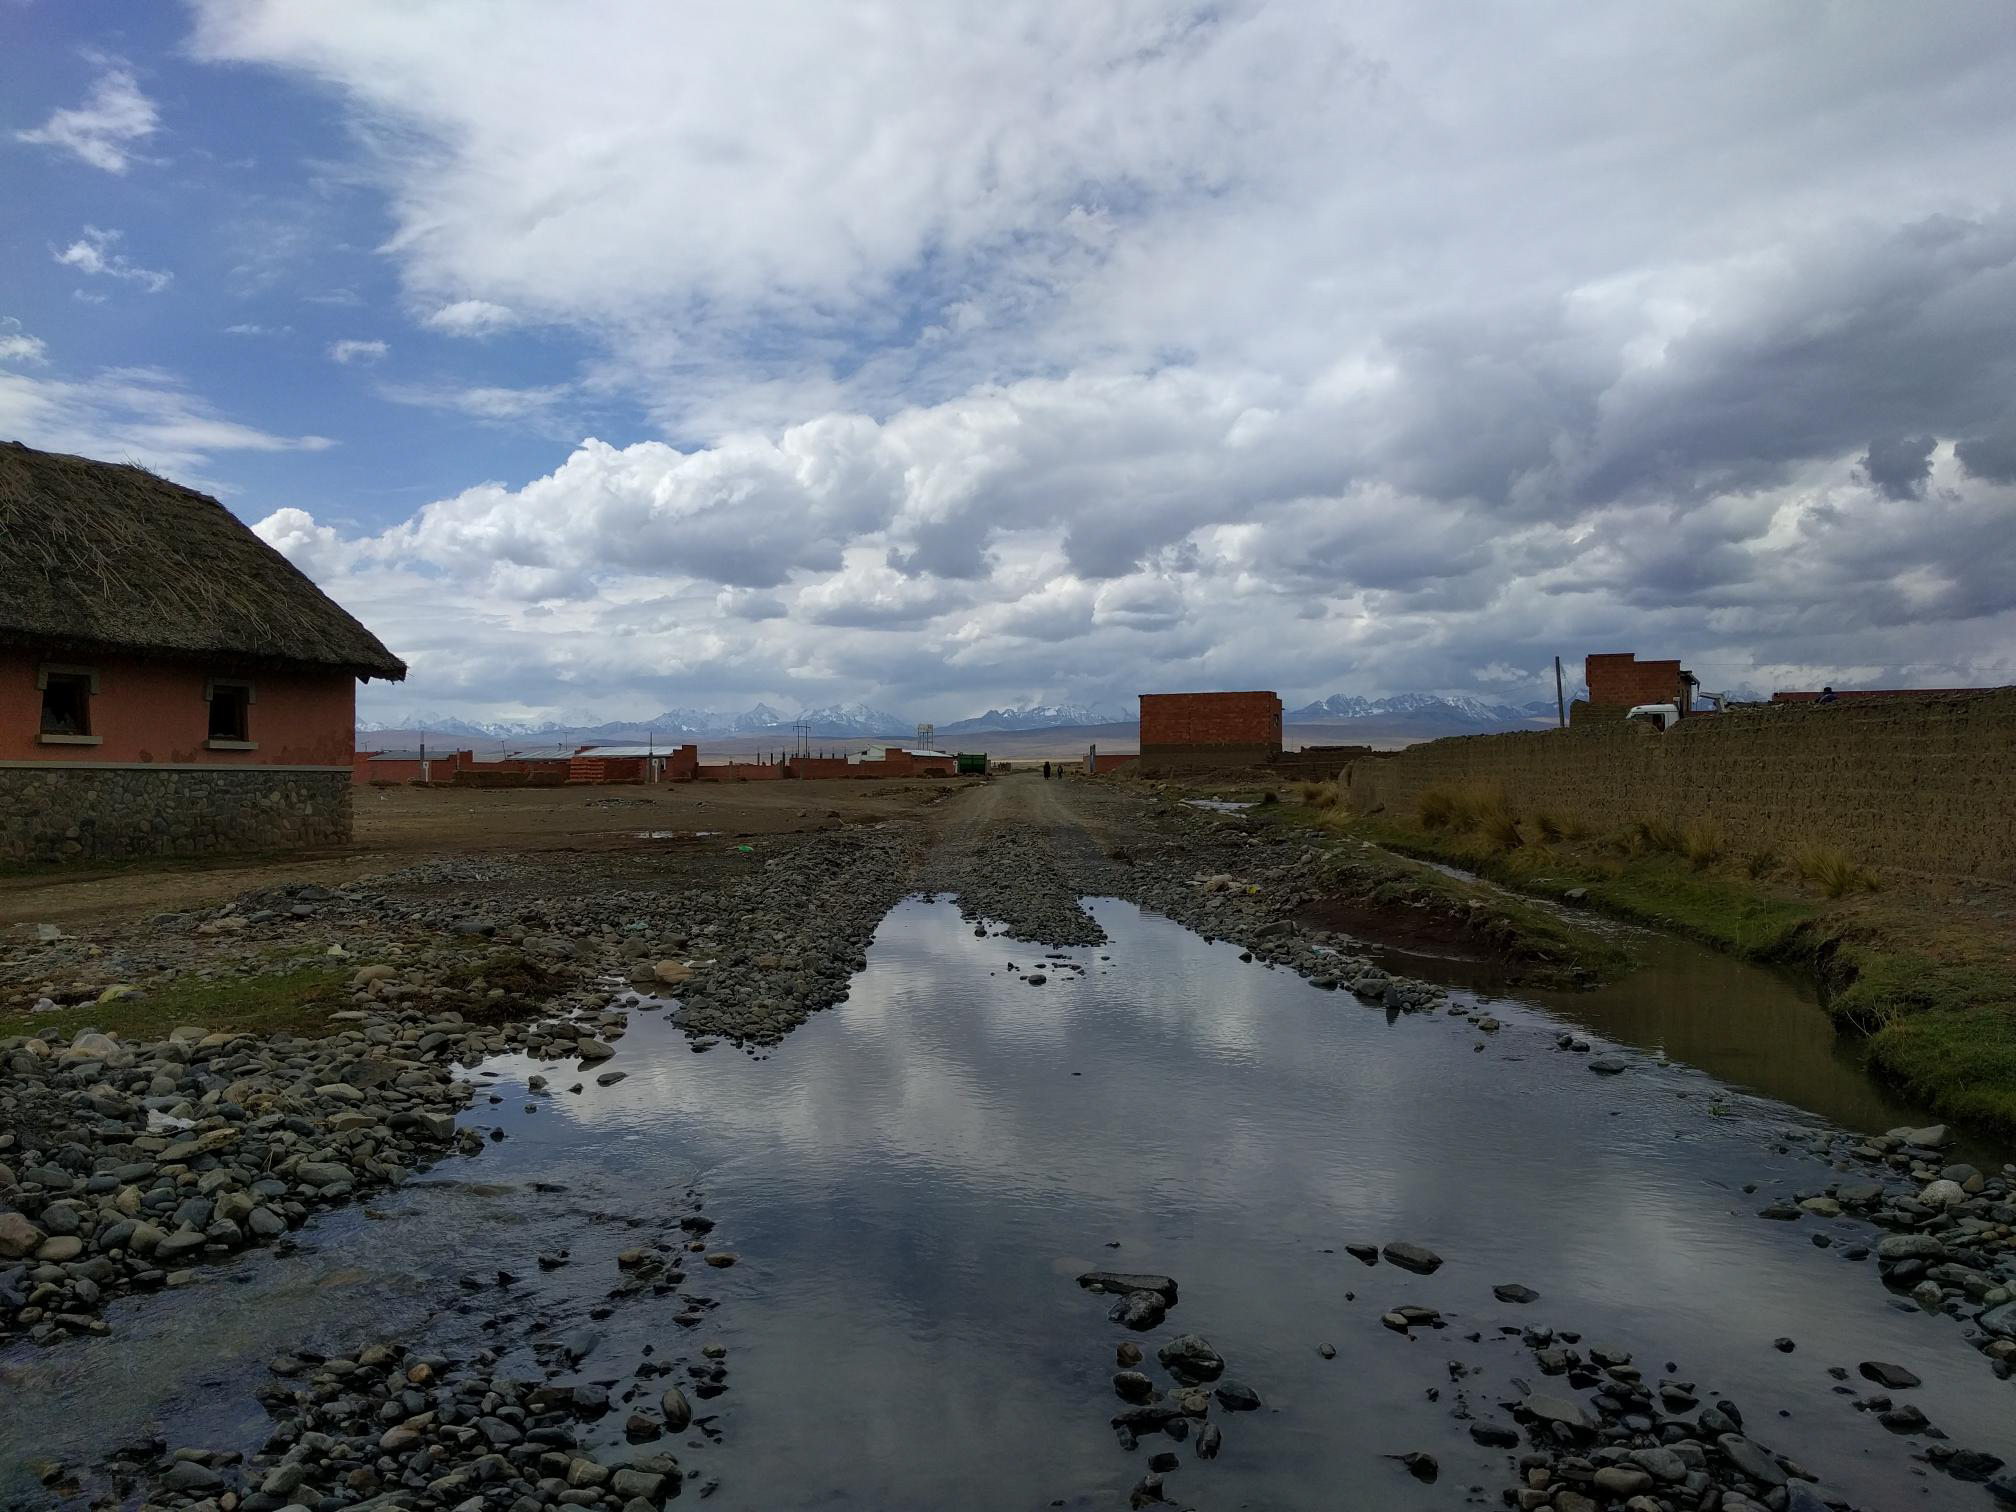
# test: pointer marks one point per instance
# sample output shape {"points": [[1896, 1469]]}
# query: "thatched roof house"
{"points": [[100, 556], [169, 683]]}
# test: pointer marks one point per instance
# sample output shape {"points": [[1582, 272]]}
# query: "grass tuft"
{"points": [[1703, 842], [1833, 871]]}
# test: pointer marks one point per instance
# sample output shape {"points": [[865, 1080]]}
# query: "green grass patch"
{"points": [[1959, 1061], [1937, 1001], [297, 1001]]}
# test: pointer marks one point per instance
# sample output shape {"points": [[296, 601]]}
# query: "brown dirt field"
{"points": [[398, 826]]}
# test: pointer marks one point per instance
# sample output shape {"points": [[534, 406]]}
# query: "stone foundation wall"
{"points": [[80, 813]]}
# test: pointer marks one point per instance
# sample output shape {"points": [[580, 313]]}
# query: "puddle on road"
{"points": [[1220, 805], [913, 1179]]}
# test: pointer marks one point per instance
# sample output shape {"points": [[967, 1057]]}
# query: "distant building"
{"points": [[169, 683], [1190, 730], [1619, 681]]}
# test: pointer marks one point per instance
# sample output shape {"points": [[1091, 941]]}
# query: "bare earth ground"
{"points": [[397, 826]]}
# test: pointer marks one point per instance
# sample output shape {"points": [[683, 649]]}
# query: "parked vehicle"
{"points": [[1661, 716]]}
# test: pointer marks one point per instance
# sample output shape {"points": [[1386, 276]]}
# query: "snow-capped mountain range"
{"points": [[1459, 709], [1427, 712]]}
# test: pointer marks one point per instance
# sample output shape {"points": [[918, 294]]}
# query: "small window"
{"points": [[66, 703], [231, 712]]}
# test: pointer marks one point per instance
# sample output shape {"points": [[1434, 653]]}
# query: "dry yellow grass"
{"points": [[1833, 871], [1703, 842]]}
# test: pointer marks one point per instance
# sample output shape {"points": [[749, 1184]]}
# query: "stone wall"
{"points": [[107, 813], [1926, 784]]}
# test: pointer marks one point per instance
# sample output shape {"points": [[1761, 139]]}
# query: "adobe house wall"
{"points": [[148, 711]]}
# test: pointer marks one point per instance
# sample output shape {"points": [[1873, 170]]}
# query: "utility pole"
{"points": [[1560, 698]]}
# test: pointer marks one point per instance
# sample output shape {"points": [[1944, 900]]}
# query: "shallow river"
{"points": [[914, 1178]]}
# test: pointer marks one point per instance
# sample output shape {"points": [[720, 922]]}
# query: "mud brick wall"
{"points": [[110, 813], [1922, 784]]}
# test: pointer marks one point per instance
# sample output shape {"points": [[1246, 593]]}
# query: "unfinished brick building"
{"points": [[1618, 681], [1184, 731]]}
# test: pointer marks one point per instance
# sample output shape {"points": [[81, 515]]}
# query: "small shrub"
{"points": [[1833, 871], [1436, 806], [1551, 827], [1500, 829], [1336, 820], [1761, 862], [1269, 797], [1656, 835], [1703, 842]]}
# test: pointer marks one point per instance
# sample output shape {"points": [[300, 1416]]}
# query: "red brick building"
{"points": [[1189, 730], [1619, 681]]}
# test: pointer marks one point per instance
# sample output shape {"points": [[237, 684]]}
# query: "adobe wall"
{"points": [[111, 813], [154, 711], [1924, 784]]}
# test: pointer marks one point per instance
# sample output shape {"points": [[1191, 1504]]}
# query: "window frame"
{"points": [[68, 672], [244, 741]]}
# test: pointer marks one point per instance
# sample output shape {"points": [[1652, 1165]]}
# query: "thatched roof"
{"points": [[100, 556]]}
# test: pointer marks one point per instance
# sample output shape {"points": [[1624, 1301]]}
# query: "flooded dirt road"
{"points": [[912, 1181]]}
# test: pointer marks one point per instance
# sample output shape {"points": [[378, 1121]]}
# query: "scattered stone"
{"points": [[1413, 1257]]}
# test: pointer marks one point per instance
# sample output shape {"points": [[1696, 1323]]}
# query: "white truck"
{"points": [[1663, 716]]}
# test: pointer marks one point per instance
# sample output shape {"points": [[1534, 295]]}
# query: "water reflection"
{"points": [[913, 1178]]}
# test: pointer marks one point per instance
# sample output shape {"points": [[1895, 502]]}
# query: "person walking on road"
{"points": [[1046, 771]]}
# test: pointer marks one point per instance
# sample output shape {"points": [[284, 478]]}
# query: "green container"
{"points": [[976, 765]]}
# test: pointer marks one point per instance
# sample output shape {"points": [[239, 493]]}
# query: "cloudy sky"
{"points": [[620, 355]]}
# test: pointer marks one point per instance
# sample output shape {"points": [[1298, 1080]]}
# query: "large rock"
{"points": [[1554, 1409], [1890, 1377], [18, 1237], [678, 1411], [1412, 1257], [2001, 1321], [1751, 1459], [1130, 1281], [1931, 1137], [1139, 1310], [1191, 1360], [322, 1173]]}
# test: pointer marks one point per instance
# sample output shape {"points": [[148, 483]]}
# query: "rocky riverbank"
{"points": [[129, 1157]]}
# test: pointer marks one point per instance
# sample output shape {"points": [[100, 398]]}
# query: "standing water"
{"points": [[913, 1180]]}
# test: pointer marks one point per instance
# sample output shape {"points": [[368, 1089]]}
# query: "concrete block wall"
{"points": [[1922, 784]]}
